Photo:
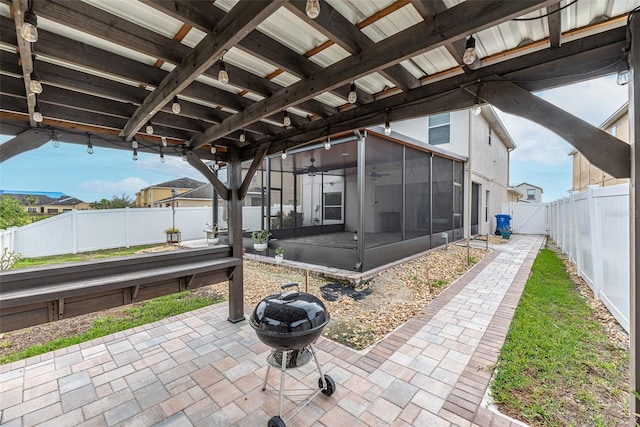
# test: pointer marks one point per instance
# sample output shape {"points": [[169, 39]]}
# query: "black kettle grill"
{"points": [[290, 322]]}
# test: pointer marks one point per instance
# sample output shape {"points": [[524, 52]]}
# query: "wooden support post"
{"points": [[306, 282], [189, 282], [634, 200], [134, 293], [236, 290]]}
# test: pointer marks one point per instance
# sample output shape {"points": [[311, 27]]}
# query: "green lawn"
{"points": [[558, 367], [84, 256], [147, 312]]}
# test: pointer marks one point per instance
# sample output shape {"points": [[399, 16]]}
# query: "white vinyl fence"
{"points": [[82, 231], [592, 228], [527, 218]]}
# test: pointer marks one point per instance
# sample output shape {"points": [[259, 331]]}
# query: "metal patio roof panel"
{"points": [[329, 56], [435, 61], [356, 11], [393, 23], [286, 28], [290, 80], [140, 14]]}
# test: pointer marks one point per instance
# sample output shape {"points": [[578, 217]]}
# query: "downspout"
{"points": [[466, 211]]}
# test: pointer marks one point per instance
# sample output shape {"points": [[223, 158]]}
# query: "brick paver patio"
{"points": [[198, 369]]}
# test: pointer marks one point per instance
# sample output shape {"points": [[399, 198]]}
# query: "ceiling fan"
{"points": [[312, 170], [375, 175]]}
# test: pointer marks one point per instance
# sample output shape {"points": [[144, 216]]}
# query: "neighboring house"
{"points": [[584, 173], [485, 142], [530, 193], [46, 202], [147, 197], [203, 196]]}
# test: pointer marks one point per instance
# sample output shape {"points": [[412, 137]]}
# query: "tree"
{"points": [[116, 202], [12, 213], [30, 200]]}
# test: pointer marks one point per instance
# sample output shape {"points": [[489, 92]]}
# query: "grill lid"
{"points": [[289, 313]]}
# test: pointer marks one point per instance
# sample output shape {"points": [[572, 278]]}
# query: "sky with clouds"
{"points": [[540, 159]]}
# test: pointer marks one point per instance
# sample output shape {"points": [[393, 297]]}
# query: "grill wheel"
{"points": [[328, 387]]}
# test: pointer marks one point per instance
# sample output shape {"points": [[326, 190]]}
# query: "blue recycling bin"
{"points": [[503, 223]]}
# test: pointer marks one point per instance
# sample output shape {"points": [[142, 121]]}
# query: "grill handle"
{"points": [[285, 294]]}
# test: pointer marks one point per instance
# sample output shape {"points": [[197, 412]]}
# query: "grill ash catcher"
{"points": [[290, 323]]}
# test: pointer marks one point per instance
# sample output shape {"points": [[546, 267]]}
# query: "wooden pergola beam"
{"points": [[465, 18], [196, 162], [231, 29], [28, 140], [24, 48], [585, 56], [337, 28], [255, 164], [599, 147], [555, 25], [256, 44]]}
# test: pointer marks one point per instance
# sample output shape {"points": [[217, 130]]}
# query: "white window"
{"points": [[439, 129], [333, 207], [614, 130], [531, 194], [486, 206]]}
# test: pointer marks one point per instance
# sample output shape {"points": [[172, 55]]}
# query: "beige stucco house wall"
{"points": [[149, 197], [584, 173]]}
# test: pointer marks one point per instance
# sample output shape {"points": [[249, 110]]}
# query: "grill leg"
{"points": [[313, 351], [285, 354], [264, 385]]}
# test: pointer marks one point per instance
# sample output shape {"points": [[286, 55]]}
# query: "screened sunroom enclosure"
{"points": [[362, 202]]}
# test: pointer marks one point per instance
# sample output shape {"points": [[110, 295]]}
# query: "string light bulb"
{"points": [[214, 150], [35, 85], [469, 55], [175, 107], [37, 114], [161, 155], [55, 143], [353, 96], [163, 140], [327, 142], [284, 154], [223, 76], [134, 143], [135, 154], [313, 8], [29, 30], [287, 120], [387, 125], [476, 109], [149, 128], [624, 73], [216, 166], [242, 138], [89, 146]]}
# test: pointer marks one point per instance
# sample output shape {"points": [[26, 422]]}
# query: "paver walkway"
{"points": [[198, 369]]}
